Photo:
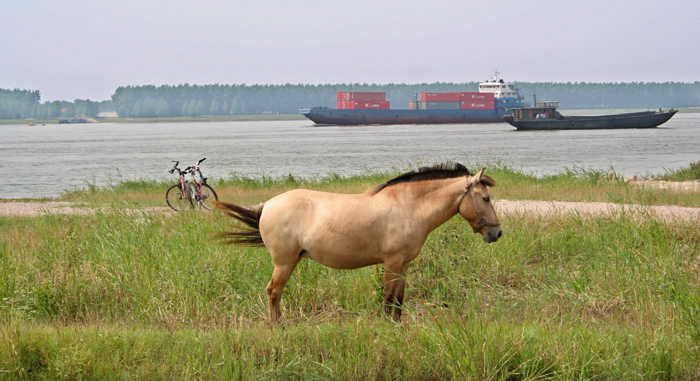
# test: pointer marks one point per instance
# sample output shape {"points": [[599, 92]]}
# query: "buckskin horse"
{"points": [[387, 224]]}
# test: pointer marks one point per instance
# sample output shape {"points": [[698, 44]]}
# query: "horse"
{"points": [[388, 224]]}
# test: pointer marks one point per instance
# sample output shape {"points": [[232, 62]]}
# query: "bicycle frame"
{"points": [[198, 179]]}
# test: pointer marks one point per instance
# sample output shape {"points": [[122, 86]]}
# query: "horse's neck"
{"points": [[434, 201]]}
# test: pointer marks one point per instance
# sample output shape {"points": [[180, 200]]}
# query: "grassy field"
{"points": [[571, 184], [125, 294]]}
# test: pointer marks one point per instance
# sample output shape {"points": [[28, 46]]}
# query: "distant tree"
{"points": [[193, 100]]}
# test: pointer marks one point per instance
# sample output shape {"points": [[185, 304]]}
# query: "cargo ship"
{"points": [[493, 100], [545, 116]]}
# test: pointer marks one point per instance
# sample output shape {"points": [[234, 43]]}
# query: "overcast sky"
{"points": [[85, 49]]}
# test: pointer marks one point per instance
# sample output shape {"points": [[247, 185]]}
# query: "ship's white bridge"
{"points": [[499, 88]]}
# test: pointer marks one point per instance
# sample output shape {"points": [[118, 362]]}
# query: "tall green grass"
{"points": [[128, 294], [571, 184], [686, 173]]}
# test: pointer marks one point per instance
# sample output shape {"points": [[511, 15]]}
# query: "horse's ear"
{"points": [[477, 178]]}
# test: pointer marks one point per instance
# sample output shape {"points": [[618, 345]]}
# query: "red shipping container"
{"points": [[362, 96], [477, 105], [477, 97], [366, 96], [440, 97], [366, 105]]}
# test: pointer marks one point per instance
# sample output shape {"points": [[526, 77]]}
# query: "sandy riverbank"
{"points": [[503, 207]]}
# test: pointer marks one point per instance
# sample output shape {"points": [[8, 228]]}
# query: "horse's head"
{"points": [[475, 207]]}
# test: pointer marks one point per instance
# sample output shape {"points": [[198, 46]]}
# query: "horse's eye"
{"points": [[487, 198]]}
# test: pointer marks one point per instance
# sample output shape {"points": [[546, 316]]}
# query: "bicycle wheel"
{"points": [[208, 194], [176, 200]]}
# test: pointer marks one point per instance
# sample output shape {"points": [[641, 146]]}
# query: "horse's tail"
{"points": [[244, 237]]}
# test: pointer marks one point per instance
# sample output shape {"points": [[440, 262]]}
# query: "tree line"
{"points": [[25, 104], [198, 100]]}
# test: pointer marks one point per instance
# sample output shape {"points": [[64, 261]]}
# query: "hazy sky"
{"points": [[85, 49]]}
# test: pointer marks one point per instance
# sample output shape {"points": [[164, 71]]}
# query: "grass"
{"points": [[571, 184], [689, 173], [127, 294]]}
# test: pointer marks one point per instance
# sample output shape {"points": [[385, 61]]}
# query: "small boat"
{"points": [[546, 117], [72, 121]]}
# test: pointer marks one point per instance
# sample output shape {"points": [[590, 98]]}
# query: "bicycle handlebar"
{"points": [[191, 169]]}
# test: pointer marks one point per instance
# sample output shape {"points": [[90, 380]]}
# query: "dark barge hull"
{"points": [[322, 115], [645, 119]]}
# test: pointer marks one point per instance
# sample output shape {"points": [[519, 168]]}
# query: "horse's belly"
{"points": [[342, 259]]}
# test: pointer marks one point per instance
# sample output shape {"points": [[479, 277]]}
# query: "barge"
{"points": [[545, 116]]}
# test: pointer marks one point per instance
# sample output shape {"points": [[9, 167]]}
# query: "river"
{"points": [[45, 161]]}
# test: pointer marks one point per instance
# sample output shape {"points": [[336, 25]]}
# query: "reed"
{"points": [[129, 294]]}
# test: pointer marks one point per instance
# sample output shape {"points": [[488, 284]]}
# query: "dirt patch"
{"points": [[686, 186], [595, 209], [33, 209], [507, 207]]}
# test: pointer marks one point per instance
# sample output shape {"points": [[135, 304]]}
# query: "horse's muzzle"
{"points": [[492, 235]]}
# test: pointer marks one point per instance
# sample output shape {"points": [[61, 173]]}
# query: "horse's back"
{"points": [[303, 208], [330, 228]]}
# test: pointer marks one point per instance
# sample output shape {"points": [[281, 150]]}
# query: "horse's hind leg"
{"points": [[280, 276]]}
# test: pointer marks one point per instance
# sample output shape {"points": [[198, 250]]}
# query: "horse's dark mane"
{"points": [[445, 170]]}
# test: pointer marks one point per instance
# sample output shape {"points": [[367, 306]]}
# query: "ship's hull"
{"points": [[646, 119], [322, 115]]}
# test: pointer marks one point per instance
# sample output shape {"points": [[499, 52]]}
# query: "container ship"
{"points": [[493, 100]]}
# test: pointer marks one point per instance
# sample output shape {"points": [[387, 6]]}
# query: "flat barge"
{"points": [[545, 116]]}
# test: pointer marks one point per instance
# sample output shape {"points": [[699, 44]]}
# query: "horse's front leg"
{"points": [[394, 284]]}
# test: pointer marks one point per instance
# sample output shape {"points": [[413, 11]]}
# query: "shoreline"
{"points": [[282, 117], [183, 119]]}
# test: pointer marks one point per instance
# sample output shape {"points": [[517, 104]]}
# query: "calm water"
{"points": [[44, 161]]}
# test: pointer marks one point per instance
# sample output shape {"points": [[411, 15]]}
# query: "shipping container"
{"points": [[477, 97], [361, 96], [367, 105], [440, 97], [437, 105], [477, 105]]}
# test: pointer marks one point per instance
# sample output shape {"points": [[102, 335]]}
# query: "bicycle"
{"points": [[190, 194]]}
